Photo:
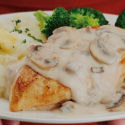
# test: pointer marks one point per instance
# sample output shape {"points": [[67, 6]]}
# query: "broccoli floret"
{"points": [[59, 18], [42, 17], [82, 17], [120, 22], [79, 21], [48, 23], [76, 17]]}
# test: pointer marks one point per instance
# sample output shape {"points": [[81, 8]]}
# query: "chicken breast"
{"points": [[84, 65], [32, 90]]}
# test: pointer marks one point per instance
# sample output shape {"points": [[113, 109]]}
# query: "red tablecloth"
{"points": [[106, 6]]}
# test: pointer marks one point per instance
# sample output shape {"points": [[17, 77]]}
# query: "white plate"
{"points": [[44, 117]]}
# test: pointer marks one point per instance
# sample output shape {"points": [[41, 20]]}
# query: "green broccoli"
{"points": [[76, 17], [59, 18], [48, 23], [120, 22], [82, 17], [42, 17]]}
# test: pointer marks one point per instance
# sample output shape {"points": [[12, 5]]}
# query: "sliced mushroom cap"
{"points": [[33, 50], [70, 40], [73, 67], [111, 29], [63, 29], [63, 41], [64, 37], [67, 44], [101, 53], [45, 63], [67, 106], [97, 69], [42, 58], [117, 106]]}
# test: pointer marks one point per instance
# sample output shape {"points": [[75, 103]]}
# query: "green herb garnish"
{"points": [[17, 30], [33, 37], [26, 30], [24, 41], [18, 21]]}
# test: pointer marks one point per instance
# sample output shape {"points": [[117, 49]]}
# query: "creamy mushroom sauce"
{"points": [[85, 60]]}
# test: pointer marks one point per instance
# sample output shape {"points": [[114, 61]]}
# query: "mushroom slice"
{"points": [[73, 67], [101, 53], [64, 37], [116, 106], [43, 57], [111, 29], [67, 106], [97, 69], [45, 63], [71, 41], [63, 29], [67, 44]]}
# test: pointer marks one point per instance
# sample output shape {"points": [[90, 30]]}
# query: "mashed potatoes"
{"points": [[2, 80], [13, 45]]}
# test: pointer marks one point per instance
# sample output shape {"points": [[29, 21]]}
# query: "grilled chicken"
{"points": [[32, 90], [86, 65]]}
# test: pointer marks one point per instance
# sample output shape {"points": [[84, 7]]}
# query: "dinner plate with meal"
{"points": [[62, 66]]}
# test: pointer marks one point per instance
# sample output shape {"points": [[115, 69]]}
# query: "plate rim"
{"points": [[112, 116]]}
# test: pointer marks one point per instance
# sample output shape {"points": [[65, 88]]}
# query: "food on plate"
{"points": [[2, 81], [18, 25], [13, 45], [76, 17], [48, 23], [82, 17], [120, 20], [32, 90], [70, 64], [7, 41], [76, 70]]}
